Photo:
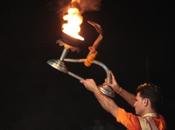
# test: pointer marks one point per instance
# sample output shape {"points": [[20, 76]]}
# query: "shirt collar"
{"points": [[150, 115]]}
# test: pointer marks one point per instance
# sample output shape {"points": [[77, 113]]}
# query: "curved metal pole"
{"points": [[82, 60]]}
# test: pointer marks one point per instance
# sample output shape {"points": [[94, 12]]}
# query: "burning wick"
{"points": [[73, 20]]}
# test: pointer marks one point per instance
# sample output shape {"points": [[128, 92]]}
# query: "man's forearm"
{"points": [[129, 97], [107, 103]]}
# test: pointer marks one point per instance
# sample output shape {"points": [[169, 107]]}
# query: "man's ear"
{"points": [[145, 101]]}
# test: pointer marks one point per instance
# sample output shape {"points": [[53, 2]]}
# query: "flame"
{"points": [[78, 1], [73, 20]]}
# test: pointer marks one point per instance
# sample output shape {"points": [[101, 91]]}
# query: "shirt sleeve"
{"points": [[129, 120]]}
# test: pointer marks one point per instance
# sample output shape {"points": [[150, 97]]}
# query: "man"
{"points": [[145, 101]]}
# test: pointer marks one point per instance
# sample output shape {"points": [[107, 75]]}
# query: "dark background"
{"points": [[137, 47]]}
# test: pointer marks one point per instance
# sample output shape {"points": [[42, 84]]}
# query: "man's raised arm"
{"points": [[127, 96]]}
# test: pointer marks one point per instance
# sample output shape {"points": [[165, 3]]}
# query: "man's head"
{"points": [[147, 98]]}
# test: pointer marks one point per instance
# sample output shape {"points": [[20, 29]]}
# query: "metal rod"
{"points": [[64, 53], [74, 75]]}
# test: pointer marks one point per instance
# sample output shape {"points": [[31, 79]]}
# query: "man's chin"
{"points": [[137, 113]]}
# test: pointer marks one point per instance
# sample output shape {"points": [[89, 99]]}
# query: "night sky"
{"points": [[137, 47]]}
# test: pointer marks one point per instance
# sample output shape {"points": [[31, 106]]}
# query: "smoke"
{"points": [[90, 5], [83, 5]]}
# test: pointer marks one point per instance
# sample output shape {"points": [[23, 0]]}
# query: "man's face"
{"points": [[139, 105]]}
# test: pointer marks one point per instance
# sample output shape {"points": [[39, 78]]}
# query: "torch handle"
{"points": [[74, 75]]}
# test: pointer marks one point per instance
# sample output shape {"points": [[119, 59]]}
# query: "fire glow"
{"points": [[73, 20]]}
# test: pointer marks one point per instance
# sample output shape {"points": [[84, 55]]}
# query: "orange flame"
{"points": [[73, 20]]}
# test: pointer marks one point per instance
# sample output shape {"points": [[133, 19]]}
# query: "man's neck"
{"points": [[149, 112]]}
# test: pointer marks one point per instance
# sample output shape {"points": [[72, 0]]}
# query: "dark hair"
{"points": [[152, 92]]}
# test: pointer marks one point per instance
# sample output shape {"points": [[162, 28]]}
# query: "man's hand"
{"points": [[113, 83], [90, 85], [129, 97]]}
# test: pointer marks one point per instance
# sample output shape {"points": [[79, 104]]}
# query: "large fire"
{"points": [[73, 20]]}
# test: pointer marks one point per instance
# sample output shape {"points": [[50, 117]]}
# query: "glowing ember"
{"points": [[73, 20]]}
